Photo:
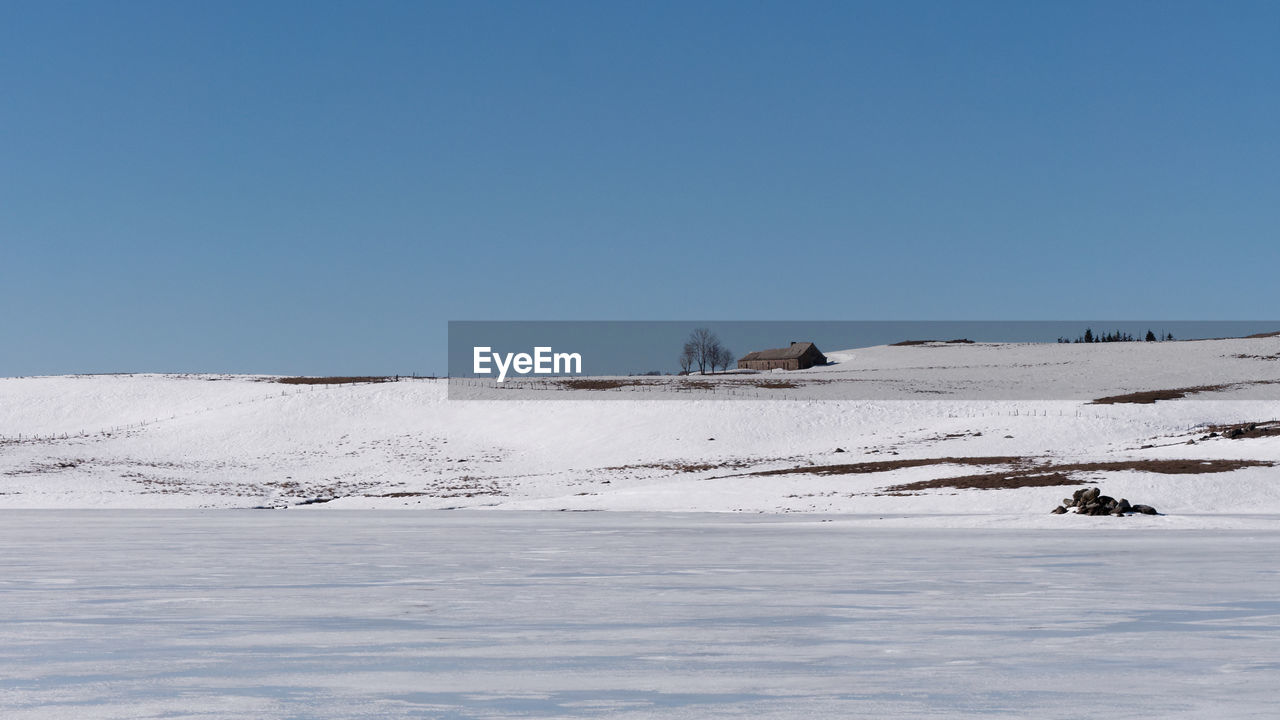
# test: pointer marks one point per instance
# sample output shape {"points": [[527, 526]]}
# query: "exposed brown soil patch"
{"points": [[957, 341], [1068, 474], [774, 384], [989, 481], [1255, 336], [1246, 430], [1023, 471], [1147, 397], [1165, 467], [879, 466], [600, 384], [684, 467], [401, 495], [615, 383], [343, 380]]}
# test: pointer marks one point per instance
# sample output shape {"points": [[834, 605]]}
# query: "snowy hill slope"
{"points": [[239, 441]]}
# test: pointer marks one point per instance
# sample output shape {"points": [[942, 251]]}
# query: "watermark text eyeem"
{"points": [[542, 362]]}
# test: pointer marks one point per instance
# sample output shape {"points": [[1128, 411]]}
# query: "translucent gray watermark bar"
{"points": [[1107, 362]]}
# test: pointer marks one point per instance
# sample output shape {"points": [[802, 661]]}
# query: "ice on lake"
{"points": [[336, 614]]}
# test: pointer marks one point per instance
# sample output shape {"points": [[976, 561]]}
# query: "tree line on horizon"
{"points": [[1115, 336]]}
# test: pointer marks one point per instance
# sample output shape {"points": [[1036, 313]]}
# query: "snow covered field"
{"points": [[191, 441], [241, 614], [814, 555]]}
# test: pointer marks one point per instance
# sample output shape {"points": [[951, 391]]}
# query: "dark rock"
{"points": [[1233, 434], [1191, 442], [839, 449], [317, 500], [1091, 501]]}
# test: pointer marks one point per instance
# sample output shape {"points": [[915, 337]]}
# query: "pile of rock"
{"points": [[1091, 501], [1240, 431]]}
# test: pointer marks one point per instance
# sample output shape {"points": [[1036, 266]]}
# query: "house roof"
{"points": [[786, 353]]}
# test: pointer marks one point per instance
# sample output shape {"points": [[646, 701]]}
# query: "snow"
{"points": [[136, 583], [349, 614], [192, 441]]}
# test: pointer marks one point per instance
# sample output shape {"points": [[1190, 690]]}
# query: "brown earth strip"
{"points": [[344, 380], [1026, 471], [401, 495], [1147, 397], [615, 383], [683, 467], [599, 384], [680, 384], [879, 466], [907, 343], [1068, 474], [774, 384], [1246, 430]]}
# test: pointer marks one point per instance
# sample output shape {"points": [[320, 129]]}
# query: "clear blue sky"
{"points": [[317, 187]]}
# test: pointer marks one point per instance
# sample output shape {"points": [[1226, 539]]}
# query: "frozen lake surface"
{"points": [[351, 614]]}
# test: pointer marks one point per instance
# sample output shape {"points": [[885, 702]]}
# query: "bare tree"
{"points": [[703, 341], [687, 357], [706, 349], [724, 358]]}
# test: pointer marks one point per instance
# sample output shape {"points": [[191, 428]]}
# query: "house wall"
{"points": [[810, 358], [791, 364]]}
